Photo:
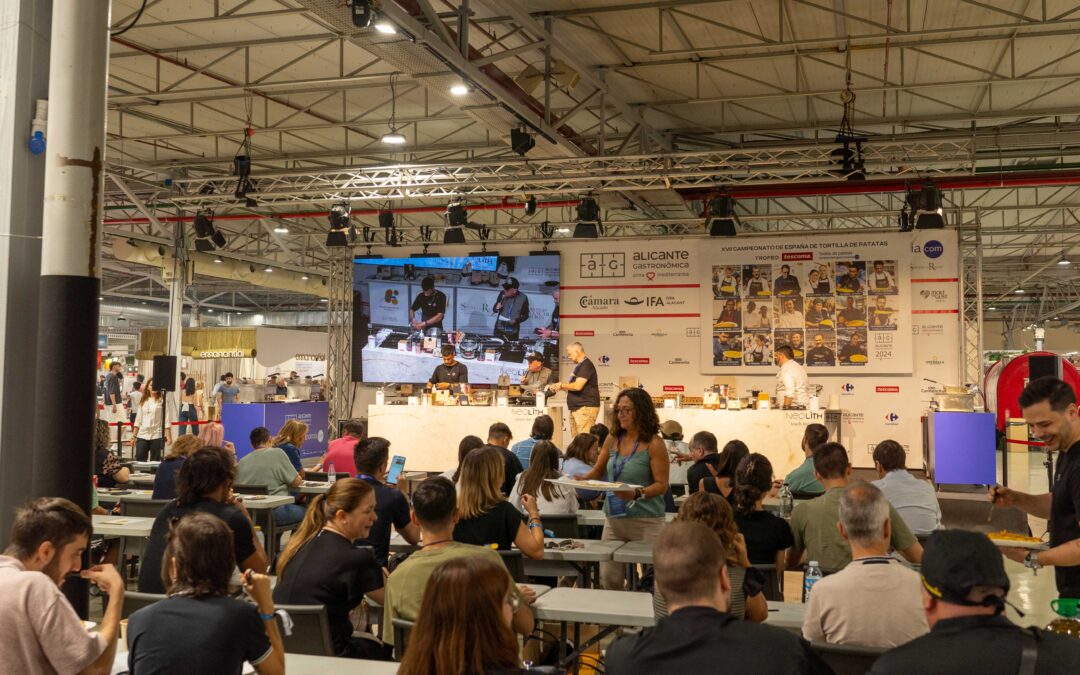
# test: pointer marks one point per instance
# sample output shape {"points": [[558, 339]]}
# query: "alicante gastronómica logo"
{"points": [[933, 249]]}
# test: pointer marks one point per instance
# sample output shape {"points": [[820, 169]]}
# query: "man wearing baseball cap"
{"points": [[963, 594], [538, 376], [511, 310]]}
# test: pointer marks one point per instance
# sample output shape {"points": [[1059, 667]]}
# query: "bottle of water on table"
{"points": [[812, 576], [331, 475], [787, 501]]}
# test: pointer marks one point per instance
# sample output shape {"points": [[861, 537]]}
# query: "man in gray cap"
{"points": [[511, 310], [963, 593], [538, 376]]}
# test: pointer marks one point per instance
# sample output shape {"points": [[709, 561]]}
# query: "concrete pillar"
{"points": [[25, 26]]}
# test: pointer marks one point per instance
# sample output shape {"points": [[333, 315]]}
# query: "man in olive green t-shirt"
{"points": [[813, 522], [434, 510], [271, 467], [801, 480]]}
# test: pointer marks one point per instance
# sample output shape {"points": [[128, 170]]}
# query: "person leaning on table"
{"points": [[635, 454]]}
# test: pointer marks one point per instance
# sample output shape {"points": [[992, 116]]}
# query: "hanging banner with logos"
{"points": [[841, 302]]}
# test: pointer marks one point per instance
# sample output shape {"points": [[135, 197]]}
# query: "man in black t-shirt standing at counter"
{"points": [[432, 306], [582, 391], [450, 371], [1049, 408]]}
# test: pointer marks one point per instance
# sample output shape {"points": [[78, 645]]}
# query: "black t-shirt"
{"points": [[703, 640], [589, 396], [1064, 511], [699, 470], [392, 509], [455, 374], [511, 468], [498, 526], [765, 534], [243, 538], [820, 356], [196, 635], [165, 478], [429, 306], [788, 283], [329, 570]]}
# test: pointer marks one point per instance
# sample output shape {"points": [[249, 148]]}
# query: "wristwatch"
{"points": [[1031, 560]]}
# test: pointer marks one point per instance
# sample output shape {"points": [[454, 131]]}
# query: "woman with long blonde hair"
{"points": [[289, 438], [463, 627], [320, 565], [486, 518]]}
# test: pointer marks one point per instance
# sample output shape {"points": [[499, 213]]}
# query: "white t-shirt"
{"points": [[148, 419], [563, 499], [874, 602], [791, 381]]}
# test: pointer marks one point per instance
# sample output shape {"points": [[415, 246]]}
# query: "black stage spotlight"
{"points": [[207, 237], [588, 219], [530, 205], [521, 141], [342, 232], [386, 222], [929, 216], [720, 216], [361, 12], [848, 157], [457, 217]]}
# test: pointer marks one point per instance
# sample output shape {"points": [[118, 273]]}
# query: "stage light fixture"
{"points": [[342, 232], [720, 216], [457, 217], [530, 205], [218, 259], [588, 219], [922, 209], [521, 141], [207, 237], [268, 269], [848, 157], [1064, 261], [393, 138], [362, 12]]}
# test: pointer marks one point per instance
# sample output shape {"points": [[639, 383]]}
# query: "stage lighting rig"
{"points": [[720, 216], [588, 219], [342, 232], [207, 237]]}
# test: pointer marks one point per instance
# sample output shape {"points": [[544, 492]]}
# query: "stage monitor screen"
{"points": [[494, 310]]}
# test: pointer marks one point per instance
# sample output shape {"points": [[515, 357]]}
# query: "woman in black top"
{"points": [[199, 628], [106, 464], [767, 536], [486, 517], [463, 627], [724, 479], [320, 565], [165, 478]]}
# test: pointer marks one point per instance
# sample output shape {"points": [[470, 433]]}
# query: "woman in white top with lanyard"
{"points": [[149, 439], [634, 454]]}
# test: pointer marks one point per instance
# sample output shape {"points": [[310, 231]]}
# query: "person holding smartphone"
{"points": [[372, 457]]}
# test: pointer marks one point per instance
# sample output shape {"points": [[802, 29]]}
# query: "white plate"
{"points": [[1032, 545], [596, 485]]}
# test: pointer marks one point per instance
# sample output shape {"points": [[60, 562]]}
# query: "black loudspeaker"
{"points": [[1044, 365], [165, 373]]}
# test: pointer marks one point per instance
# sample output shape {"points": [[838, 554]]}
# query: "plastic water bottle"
{"points": [[331, 476], [812, 576], [787, 501]]}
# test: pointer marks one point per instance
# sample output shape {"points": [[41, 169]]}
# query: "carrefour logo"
{"points": [[605, 359], [847, 387], [933, 248], [892, 417]]}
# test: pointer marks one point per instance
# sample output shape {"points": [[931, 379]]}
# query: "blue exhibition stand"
{"points": [[240, 418], [960, 448]]}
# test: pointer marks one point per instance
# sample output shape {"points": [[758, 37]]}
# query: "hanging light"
{"points": [[268, 269], [459, 89], [385, 27], [281, 229], [720, 216], [218, 259], [393, 137]]}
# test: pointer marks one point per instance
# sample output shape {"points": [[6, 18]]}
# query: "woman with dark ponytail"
{"points": [[767, 536], [320, 565]]}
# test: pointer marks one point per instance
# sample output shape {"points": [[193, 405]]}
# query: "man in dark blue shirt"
{"points": [[372, 457]]}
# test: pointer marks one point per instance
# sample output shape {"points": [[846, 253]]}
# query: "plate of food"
{"points": [[725, 324], [858, 358], [855, 323], [1014, 540], [732, 354], [597, 485]]}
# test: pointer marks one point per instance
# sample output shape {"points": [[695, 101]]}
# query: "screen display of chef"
{"points": [[494, 310]]}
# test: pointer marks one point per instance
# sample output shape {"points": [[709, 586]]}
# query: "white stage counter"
{"points": [[390, 365], [777, 434], [428, 436]]}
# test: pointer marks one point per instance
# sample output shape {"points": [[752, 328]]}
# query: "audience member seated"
{"points": [[543, 428], [813, 522], [912, 498], [289, 439], [746, 600], [499, 435], [106, 464], [340, 451], [964, 585], [467, 445], [165, 478], [203, 485], [703, 450], [722, 480], [580, 457], [199, 628], [874, 601], [464, 622], [270, 466], [601, 431], [39, 630], [801, 480], [550, 499], [672, 433], [321, 565], [487, 519], [371, 457], [700, 635], [767, 535], [434, 511]]}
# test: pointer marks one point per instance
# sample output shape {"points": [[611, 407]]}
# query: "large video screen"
{"points": [[495, 310]]}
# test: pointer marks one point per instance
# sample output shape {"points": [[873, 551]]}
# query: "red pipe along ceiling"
{"points": [[355, 212]]}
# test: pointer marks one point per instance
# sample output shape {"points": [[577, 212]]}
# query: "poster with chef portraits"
{"points": [[842, 303]]}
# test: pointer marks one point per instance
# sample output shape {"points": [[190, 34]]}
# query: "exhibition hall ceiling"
{"points": [[650, 106]]}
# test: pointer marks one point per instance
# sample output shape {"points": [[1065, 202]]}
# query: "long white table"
{"points": [[611, 609], [787, 615], [122, 526], [297, 664], [428, 436], [597, 517], [777, 434]]}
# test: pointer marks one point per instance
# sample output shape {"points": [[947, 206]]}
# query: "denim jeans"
{"points": [[287, 514], [189, 415]]}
